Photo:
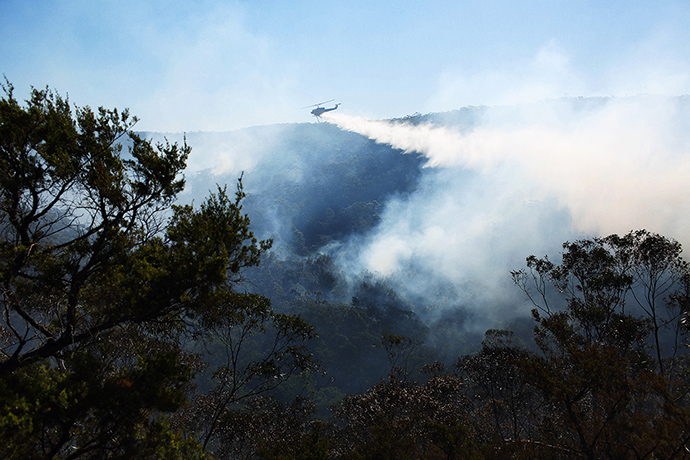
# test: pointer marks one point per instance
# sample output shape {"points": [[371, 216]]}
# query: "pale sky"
{"points": [[215, 65]]}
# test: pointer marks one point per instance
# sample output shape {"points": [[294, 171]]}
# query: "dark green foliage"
{"points": [[103, 279], [73, 212], [97, 404]]}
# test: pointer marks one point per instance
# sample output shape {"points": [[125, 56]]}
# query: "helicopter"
{"points": [[318, 111]]}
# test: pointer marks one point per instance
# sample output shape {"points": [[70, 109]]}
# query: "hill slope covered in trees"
{"points": [[344, 319]]}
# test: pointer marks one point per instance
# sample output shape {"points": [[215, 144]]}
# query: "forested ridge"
{"points": [[140, 323]]}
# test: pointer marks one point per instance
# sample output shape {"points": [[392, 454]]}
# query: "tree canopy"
{"points": [[104, 279]]}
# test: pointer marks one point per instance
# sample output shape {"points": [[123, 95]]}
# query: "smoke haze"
{"points": [[497, 184], [620, 165], [524, 180]]}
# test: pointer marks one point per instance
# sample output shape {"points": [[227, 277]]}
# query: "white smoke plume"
{"points": [[525, 180], [622, 166]]}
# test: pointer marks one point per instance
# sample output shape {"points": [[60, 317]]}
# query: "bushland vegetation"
{"points": [[127, 329]]}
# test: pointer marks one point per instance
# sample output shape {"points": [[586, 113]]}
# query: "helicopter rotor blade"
{"points": [[320, 103]]}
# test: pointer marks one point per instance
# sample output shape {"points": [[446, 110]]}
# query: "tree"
{"points": [[608, 400], [262, 349], [602, 278], [404, 419], [659, 273], [102, 278], [401, 352], [497, 385]]}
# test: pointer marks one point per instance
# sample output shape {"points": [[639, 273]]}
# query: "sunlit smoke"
{"points": [[512, 186], [621, 166]]}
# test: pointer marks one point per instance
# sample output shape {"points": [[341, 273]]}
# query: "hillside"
{"points": [[396, 299]]}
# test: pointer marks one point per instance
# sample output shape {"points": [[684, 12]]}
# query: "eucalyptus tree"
{"points": [[600, 315]]}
